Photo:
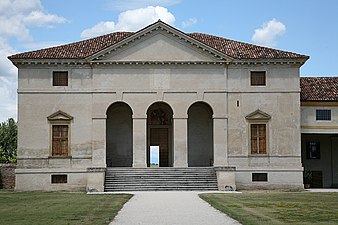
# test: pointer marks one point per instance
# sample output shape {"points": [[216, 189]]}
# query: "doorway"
{"points": [[119, 135], [159, 128], [200, 135]]}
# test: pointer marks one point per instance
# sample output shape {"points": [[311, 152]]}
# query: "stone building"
{"points": [[206, 101]]}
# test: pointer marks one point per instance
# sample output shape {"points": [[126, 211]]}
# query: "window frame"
{"points": [[256, 73], [59, 118], [56, 179], [258, 177], [308, 150], [258, 117], [54, 72], [258, 139], [323, 116], [60, 139]]}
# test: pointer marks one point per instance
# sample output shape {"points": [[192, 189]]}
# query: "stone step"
{"points": [[150, 179]]}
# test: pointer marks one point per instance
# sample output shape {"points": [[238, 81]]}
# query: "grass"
{"points": [[60, 208], [250, 208]]}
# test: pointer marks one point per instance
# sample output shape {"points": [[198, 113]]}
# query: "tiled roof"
{"points": [[319, 88], [76, 50], [86, 48], [241, 50]]}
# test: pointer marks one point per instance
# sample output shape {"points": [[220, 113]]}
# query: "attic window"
{"points": [[258, 78], [323, 114], [60, 78]]}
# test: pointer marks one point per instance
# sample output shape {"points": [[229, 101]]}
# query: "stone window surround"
{"points": [[258, 117], [59, 118]]}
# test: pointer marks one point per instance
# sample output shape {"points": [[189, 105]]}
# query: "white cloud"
{"points": [[131, 20], [39, 18], [98, 29], [8, 98], [8, 83], [267, 34], [123, 5], [190, 22], [16, 17]]}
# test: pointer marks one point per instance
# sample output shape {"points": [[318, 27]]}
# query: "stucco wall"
{"points": [[311, 125], [280, 99]]}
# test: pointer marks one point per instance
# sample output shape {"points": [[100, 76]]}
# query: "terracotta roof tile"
{"points": [[86, 48], [319, 88], [241, 50], [76, 50]]}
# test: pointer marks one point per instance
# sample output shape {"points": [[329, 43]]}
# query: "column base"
{"points": [[226, 178]]}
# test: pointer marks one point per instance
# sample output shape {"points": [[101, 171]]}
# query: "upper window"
{"points": [[258, 78], [60, 78], [313, 150], [323, 114], [59, 140], [258, 138]]}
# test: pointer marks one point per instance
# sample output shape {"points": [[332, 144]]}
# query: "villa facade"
{"points": [[206, 101]]}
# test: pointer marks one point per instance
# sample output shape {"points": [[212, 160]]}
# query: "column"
{"points": [[96, 173], [180, 142], [99, 142], [139, 142], [220, 141]]}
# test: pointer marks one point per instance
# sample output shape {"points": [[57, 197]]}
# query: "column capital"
{"points": [[140, 117], [180, 117]]}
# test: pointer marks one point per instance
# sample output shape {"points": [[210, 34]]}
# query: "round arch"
{"points": [[200, 135], [159, 135], [119, 135]]}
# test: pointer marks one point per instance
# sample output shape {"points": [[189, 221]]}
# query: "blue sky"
{"points": [[304, 26]]}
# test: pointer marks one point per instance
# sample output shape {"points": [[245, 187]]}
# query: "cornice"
{"points": [[76, 62]]}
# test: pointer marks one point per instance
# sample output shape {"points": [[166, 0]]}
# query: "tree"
{"points": [[8, 141]]}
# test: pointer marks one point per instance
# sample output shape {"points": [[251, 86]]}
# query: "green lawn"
{"points": [[277, 207], [58, 208]]}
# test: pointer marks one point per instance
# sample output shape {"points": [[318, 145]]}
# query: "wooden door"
{"points": [[160, 137]]}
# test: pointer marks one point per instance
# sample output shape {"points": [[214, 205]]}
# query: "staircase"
{"points": [[160, 179]]}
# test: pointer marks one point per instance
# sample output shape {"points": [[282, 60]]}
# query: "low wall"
{"points": [[7, 176]]}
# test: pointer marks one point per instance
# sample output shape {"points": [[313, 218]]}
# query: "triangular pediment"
{"points": [[59, 115], [258, 115], [159, 42]]}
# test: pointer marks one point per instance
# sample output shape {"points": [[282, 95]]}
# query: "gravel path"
{"points": [[170, 208]]}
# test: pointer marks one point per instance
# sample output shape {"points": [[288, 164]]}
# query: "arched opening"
{"points": [[159, 133], [200, 135], [119, 135]]}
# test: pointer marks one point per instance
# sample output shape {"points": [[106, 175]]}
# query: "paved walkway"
{"points": [[169, 208]]}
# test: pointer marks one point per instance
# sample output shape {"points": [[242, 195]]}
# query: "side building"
{"points": [[205, 101], [319, 127]]}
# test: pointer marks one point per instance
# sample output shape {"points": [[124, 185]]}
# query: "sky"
{"points": [[308, 27]]}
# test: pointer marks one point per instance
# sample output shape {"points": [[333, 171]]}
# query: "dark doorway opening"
{"points": [[119, 135], [159, 133], [200, 135]]}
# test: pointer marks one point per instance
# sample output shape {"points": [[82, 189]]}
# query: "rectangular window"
{"points": [[323, 114], [313, 150], [260, 177], [60, 78], [258, 138], [258, 78], [60, 140], [59, 179]]}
